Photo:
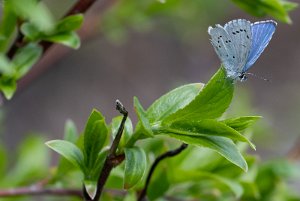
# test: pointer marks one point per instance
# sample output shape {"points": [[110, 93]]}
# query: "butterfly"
{"points": [[239, 44]]}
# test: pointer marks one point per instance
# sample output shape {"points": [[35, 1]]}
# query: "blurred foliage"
{"points": [[183, 19], [260, 8], [37, 24]]}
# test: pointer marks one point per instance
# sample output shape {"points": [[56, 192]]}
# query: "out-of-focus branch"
{"points": [[35, 190], [294, 152], [142, 196], [39, 190]]}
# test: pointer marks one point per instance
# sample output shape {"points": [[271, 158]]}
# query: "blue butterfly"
{"points": [[239, 44]]}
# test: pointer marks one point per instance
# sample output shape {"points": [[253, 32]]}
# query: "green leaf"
{"points": [[223, 146], [70, 23], [208, 127], [233, 185], [35, 12], [6, 66], [25, 58], [31, 32], [70, 39], [70, 133], [95, 135], [135, 166], [68, 150], [95, 172], [8, 86], [210, 103], [144, 126], [7, 27], [173, 101], [91, 188], [241, 123]]}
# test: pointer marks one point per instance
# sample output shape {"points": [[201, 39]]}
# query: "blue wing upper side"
{"points": [[262, 33]]}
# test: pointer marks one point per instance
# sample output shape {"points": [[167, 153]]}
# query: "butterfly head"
{"points": [[243, 77]]}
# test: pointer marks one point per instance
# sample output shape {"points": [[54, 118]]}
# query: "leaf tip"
{"points": [[91, 188]]}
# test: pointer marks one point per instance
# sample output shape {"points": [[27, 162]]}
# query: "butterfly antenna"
{"points": [[259, 77]]}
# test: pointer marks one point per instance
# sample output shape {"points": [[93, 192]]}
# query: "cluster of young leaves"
{"points": [[36, 23], [185, 23], [189, 114]]}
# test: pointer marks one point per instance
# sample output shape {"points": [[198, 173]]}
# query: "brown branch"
{"points": [[171, 153], [35, 190], [112, 159]]}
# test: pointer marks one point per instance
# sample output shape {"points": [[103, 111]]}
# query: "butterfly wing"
{"points": [[262, 33], [240, 32], [225, 48]]}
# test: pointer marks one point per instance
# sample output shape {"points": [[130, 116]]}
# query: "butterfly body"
{"points": [[239, 44]]}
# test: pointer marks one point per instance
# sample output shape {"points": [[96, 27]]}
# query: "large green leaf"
{"points": [[95, 135], [222, 145], [173, 101], [241, 123], [210, 103], [135, 166], [209, 127], [68, 150], [25, 58], [94, 139]]}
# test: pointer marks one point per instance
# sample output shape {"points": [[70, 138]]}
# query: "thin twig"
{"points": [[34, 190], [112, 159], [171, 153]]}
